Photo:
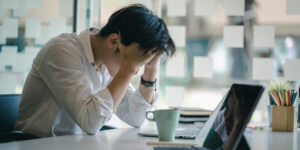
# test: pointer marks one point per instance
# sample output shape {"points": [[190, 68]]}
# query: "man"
{"points": [[78, 81]]}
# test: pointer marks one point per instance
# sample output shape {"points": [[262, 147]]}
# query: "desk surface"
{"points": [[127, 139]]}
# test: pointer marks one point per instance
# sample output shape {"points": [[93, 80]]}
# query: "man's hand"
{"points": [[151, 68], [153, 63], [149, 75], [134, 57]]}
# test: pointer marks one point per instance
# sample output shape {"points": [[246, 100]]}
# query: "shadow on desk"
{"points": [[12, 136]]}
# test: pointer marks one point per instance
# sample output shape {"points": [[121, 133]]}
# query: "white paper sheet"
{"points": [[34, 4], [22, 64], [8, 83], [234, 36], [82, 24], [8, 57], [45, 35], [31, 52], [205, 7], [263, 36], [234, 7], [66, 8], [69, 29], [292, 7], [203, 67], [96, 8], [174, 96], [291, 69], [178, 34], [2, 9], [57, 26], [175, 67], [25, 59], [10, 28], [176, 8], [83, 4], [21, 10], [262, 69], [10, 4], [2, 38], [33, 28]]}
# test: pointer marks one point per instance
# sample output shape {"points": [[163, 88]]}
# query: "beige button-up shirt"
{"points": [[65, 93]]}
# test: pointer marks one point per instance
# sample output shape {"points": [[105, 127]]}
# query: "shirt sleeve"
{"points": [[133, 107], [63, 72]]}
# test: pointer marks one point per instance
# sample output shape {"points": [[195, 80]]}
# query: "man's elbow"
{"points": [[90, 130], [137, 123], [91, 122], [92, 126]]}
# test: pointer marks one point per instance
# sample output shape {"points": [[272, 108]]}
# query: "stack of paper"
{"points": [[192, 115]]}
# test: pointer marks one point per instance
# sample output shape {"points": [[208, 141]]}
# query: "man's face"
{"points": [[115, 62]]}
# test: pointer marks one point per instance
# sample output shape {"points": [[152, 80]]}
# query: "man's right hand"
{"points": [[133, 57]]}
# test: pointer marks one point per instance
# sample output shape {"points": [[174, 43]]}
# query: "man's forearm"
{"points": [[119, 84], [148, 92]]}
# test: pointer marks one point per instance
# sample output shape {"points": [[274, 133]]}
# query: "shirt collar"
{"points": [[87, 47]]}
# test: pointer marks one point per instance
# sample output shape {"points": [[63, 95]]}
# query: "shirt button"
{"points": [[97, 70], [93, 64]]}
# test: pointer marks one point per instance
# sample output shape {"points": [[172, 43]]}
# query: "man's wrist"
{"points": [[148, 83], [151, 68], [149, 74]]}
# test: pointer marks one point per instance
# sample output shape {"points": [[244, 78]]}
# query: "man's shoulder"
{"points": [[62, 45], [66, 42], [69, 40]]}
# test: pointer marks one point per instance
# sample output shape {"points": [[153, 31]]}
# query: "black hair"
{"points": [[136, 23]]}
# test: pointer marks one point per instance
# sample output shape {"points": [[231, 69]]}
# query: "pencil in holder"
{"points": [[283, 118]]}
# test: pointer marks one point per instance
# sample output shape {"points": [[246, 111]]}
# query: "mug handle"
{"points": [[150, 112]]}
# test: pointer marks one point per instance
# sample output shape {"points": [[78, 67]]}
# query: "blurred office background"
{"points": [[218, 42]]}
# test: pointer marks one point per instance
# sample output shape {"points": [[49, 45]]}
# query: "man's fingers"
{"points": [[158, 54]]}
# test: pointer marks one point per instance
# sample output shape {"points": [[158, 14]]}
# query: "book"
{"points": [[191, 115], [193, 112], [192, 119]]}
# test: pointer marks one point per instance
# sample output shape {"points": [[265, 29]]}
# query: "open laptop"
{"points": [[225, 127]]}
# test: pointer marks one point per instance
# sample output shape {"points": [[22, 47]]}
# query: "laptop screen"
{"points": [[233, 116]]}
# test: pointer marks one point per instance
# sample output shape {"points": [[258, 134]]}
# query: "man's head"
{"points": [[137, 24]]}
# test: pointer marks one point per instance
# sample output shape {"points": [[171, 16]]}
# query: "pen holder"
{"points": [[283, 118]]}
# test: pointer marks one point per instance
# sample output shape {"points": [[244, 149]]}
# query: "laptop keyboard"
{"points": [[184, 131], [187, 134]]}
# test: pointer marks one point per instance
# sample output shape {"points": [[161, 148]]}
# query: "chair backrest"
{"points": [[9, 105]]}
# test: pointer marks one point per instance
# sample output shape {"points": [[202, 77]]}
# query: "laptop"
{"points": [[225, 127]]}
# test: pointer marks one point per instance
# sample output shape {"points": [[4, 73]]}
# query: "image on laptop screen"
{"points": [[233, 117]]}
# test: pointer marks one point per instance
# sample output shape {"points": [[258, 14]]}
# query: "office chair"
{"points": [[9, 105]]}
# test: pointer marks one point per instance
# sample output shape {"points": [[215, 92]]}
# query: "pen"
{"points": [[274, 101]]}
